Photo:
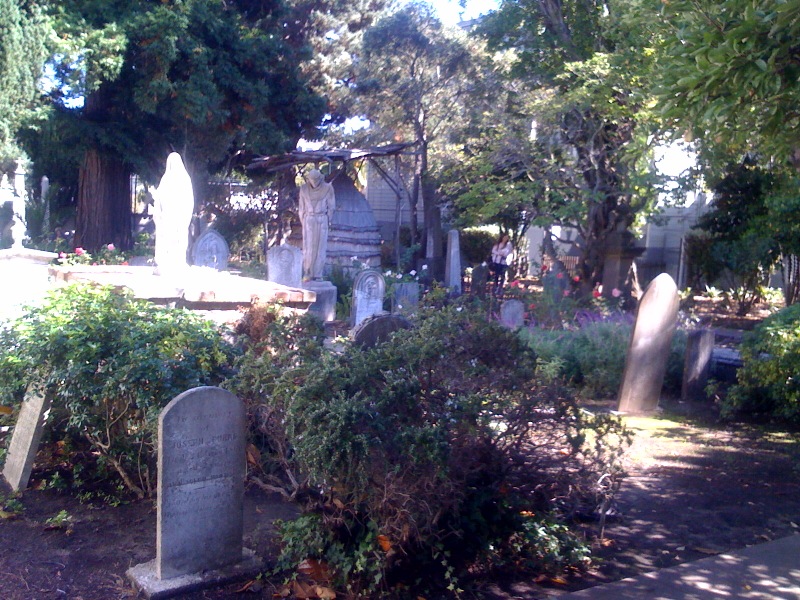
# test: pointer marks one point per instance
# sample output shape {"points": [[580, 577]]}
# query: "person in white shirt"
{"points": [[501, 252]]}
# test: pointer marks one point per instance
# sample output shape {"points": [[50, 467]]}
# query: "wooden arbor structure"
{"points": [[300, 160]]}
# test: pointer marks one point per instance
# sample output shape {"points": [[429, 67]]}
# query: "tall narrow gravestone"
{"points": [[201, 470], [697, 364], [649, 348], [25, 439], [452, 270]]}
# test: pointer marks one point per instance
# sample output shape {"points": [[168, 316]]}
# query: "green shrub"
{"points": [[591, 357], [476, 246], [421, 457], [111, 363], [768, 383]]}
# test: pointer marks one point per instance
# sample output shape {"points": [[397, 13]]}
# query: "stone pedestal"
{"points": [[325, 304]]}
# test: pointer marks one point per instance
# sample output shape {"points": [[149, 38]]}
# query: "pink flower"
{"points": [[616, 293], [515, 283], [80, 251], [576, 279], [559, 276], [531, 306], [596, 293], [111, 247], [566, 293], [544, 268], [62, 255]]}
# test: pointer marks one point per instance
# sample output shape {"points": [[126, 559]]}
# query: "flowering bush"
{"points": [[107, 255], [111, 363]]}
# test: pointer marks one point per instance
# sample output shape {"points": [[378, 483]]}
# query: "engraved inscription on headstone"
{"points": [[201, 470], [368, 291], [285, 265], [25, 439], [649, 348]]}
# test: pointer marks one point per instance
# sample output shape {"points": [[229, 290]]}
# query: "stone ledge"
{"points": [[143, 577]]}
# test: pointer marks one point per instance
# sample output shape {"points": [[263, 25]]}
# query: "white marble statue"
{"points": [[172, 216], [317, 203]]}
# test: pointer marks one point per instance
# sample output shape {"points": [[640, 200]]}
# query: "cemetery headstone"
{"points": [[452, 269], [325, 304], [201, 471], [648, 351], [480, 275], [369, 289], [405, 297], [512, 313], [377, 329], [697, 364], [211, 250], [285, 265], [25, 438]]}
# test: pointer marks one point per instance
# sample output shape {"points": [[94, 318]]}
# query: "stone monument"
{"points": [[317, 203], [210, 250], [480, 275], [369, 289], [19, 227], [172, 215], [649, 348], [378, 329], [285, 265], [452, 269], [512, 313], [405, 297], [697, 364], [201, 471], [25, 438]]}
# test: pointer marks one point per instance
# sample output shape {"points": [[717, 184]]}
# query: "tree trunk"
{"points": [[104, 202], [104, 196]]}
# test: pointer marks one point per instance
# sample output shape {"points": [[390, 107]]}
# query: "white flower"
{"points": [[400, 306], [424, 267], [388, 274], [459, 309], [354, 258], [412, 272], [399, 276]]}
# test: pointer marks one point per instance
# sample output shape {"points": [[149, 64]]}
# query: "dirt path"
{"points": [[694, 489]]}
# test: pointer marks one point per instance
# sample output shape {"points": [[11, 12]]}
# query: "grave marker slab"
{"points": [[480, 276], [201, 470], [406, 297], [452, 269], [512, 313], [697, 364], [211, 250], [25, 438], [285, 265], [377, 329], [648, 351], [369, 288]]}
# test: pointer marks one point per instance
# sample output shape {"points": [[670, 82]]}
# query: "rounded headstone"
{"points": [[377, 329]]}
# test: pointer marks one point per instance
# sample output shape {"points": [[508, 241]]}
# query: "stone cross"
{"points": [[649, 348], [369, 289]]}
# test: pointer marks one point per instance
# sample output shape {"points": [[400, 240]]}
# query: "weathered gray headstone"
{"points": [[369, 289], [406, 297], [325, 304], [648, 351], [285, 265], [452, 269], [697, 364], [512, 313], [201, 471], [377, 329], [25, 439], [211, 250], [480, 275]]}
